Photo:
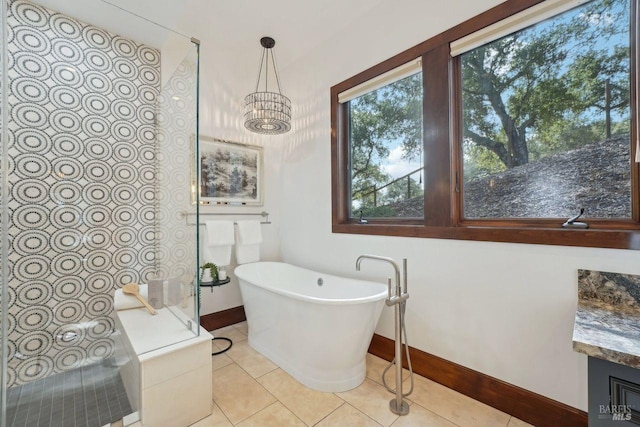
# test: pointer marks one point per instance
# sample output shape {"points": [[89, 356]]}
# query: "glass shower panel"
{"points": [[4, 303], [176, 207], [85, 86]]}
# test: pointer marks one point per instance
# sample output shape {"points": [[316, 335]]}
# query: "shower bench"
{"points": [[167, 374]]}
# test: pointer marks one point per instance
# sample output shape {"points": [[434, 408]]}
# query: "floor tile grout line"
{"points": [[221, 411], [248, 373], [291, 410], [344, 402], [233, 362], [274, 403]]}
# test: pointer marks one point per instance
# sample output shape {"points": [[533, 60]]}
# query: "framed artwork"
{"points": [[230, 173]]}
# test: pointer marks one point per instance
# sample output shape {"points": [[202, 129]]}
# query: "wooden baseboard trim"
{"points": [[523, 404], [223, 318]]}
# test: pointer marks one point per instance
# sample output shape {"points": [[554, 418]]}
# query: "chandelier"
{"points": [[267, 112]]}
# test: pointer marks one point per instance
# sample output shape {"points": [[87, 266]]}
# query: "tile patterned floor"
{"points": [[249, 390], [90, 396]]}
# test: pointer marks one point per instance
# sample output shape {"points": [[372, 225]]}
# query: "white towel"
{"points": [[249, 232], [218, 242], [122, 301], [248, 237]]}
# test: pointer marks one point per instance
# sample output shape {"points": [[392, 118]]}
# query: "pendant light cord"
{"points": [[260, 68], [275, 69], [266, 51]]}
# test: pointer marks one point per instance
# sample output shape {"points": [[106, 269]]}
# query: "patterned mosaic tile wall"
{"points": [[82, 110]]}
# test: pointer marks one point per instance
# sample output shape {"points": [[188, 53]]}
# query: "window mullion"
{"points": [[436, 119]]}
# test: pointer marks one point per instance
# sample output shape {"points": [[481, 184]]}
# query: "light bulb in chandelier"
{"points": [[266, 111]]}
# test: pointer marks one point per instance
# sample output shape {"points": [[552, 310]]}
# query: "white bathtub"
{"points": [[318, 334]]}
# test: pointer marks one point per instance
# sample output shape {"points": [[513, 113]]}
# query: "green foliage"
{"points": [[378, 118], [397, 191], [531, 94], [541, 90], [213, 270]]}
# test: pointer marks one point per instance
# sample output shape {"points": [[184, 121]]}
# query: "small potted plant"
{"points": [[208, 273]]}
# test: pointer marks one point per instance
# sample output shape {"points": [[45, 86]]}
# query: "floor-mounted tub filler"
{"points": [[398, 299], [315, 326]]}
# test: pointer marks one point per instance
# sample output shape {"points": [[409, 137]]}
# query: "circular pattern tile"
{"points": [[96, 193], [66, 239], [30, 14], [32, 65], [32, 141], [66, 264], [65, 27], [101, 327], [65, 145], [65, 50], [29, 242], [66, 216], [30, 191], [99, 305], [97, 238], [98, 260], [34, 343], [33, 292], [27, 89], [29, 217], [33, 318], [97, 216], [99, 283], [69, 311], [97, 148], [32, 166], [68, 287], [35, 368], [65, 192], [67, 168], [70, 358]]}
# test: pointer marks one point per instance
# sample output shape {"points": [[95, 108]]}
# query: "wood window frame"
{"points": [[442, 129]]}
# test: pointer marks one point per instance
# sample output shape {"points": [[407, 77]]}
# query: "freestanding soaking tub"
{"points": [[315, 326]]}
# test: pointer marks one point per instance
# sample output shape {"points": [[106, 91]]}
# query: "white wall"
{"points": [[505, 310], [222, 91]]}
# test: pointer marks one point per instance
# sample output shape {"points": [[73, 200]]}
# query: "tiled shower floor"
{"points": [[91, 396], [249, 390]]}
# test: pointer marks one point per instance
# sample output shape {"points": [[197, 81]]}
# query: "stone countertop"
{"points": [[608, 332], [607, 323]]}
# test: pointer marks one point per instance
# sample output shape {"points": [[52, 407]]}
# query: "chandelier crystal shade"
{"points": [[267, 112]]}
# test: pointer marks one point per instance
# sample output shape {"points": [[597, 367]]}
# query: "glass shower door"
{"points": [[80, 204]]}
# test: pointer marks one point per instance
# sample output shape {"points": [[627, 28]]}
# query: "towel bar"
{"points": [[263, 214]]}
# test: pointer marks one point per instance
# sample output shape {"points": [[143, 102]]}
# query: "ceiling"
{"points": [[296, 25]]}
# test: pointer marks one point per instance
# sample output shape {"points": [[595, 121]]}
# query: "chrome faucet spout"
{"points": [[381, 258]]}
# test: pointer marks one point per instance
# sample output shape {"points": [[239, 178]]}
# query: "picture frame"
{"points": [[228, 173]]}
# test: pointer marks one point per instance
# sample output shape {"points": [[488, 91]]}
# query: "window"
{"points": [[529, 113], [385, 140], [546, 118]]}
